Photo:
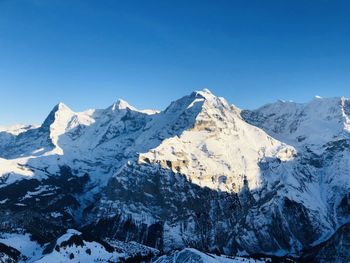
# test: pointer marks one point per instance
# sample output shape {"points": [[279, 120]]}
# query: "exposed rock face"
{"points": [[202, 174], [335, 249], [44, 208]]}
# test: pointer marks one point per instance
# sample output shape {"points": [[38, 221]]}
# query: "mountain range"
{"points": [[201, 181]]}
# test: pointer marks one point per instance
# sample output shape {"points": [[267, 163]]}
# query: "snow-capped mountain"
{"points": [[202, 174], [309, 125]]}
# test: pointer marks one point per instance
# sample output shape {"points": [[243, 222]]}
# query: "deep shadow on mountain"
{"points": [[335, 249], [44, 208], [33, 142], [208, 220]]}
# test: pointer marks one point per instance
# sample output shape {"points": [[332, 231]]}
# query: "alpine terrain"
{"points": [[201, 181]]}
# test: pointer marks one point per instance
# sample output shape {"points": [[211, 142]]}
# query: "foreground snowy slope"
{"points": [[202, 174], [190, 255]]}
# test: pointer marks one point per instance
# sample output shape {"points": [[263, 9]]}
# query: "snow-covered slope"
{"points": [[310, 124], [190, 255], [220, 150], [320, 130], [71, 247], [29, 249], [16, 129], [201, 131], [201, 173]]}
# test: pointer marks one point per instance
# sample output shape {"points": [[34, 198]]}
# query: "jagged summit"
{"points": [[203, 99], [121, 104], [204, 93], [206, 90], [59, 111], [61, 106]]}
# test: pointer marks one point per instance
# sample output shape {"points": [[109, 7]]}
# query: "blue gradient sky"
{"points": [[89, 53]]}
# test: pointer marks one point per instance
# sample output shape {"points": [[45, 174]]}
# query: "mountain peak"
{"points": [[121, 104], [59, 109], [204, 93], [61, 105]]}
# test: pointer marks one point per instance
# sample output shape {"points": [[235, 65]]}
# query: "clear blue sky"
{"points": [[89, 53]]}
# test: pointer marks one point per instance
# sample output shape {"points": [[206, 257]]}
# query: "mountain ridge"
{"points": [[202, 173]]}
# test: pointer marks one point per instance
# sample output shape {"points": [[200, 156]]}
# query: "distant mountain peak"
{"points": [[121, 104]]}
